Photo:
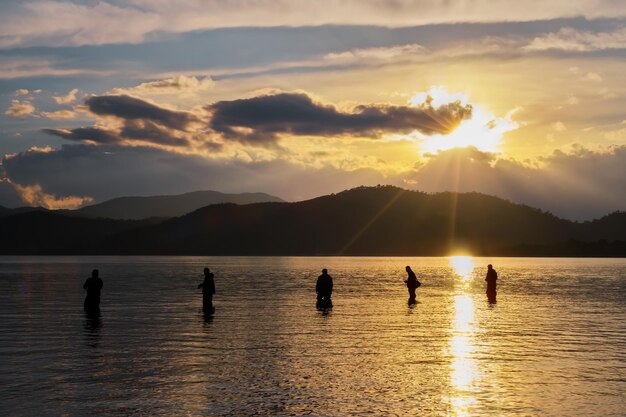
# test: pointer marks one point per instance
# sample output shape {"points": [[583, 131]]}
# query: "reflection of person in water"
{"points": [[324, 289], [412, 284], [208, 289], [492, 277], [93, 286]]}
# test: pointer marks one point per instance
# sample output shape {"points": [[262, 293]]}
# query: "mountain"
{"points": [[362, 221], [50, 233], [4, 211], [135, 208], [371, 221]]}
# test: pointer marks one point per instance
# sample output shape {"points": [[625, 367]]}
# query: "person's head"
{"points": [[408, 268], [489, 266], [206, 272], [94, 273], [324, 271]]}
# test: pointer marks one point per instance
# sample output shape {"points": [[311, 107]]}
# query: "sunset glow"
{"points": [[484, 131], [300, 100]]}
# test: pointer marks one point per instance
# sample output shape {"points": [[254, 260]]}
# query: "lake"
{"points": [[553, 344]]}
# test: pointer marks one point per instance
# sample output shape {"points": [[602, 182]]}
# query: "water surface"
{"points": [[553, 344]]}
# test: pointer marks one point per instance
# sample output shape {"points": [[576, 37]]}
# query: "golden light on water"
{"points": [[463, 368], [462, 266]]}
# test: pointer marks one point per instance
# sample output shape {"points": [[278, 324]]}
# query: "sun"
{"points": [[483, 130]]}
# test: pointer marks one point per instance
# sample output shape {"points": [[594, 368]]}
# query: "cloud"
{"points": [[9, 196], [47, 22], [59, 114], [149, 131], [86, 134], [257, 121], [589, 76], [70, 97], [14, 195], [131, 108], [374, 55], [59, 23], [134, 120], [20, 109], [23, 67], [570, 39], [582, 184], [33, 195], [180, 84], [260, 119]]}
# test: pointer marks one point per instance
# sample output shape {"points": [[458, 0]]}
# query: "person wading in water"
{"points": [[492, 277], [324, 289], [412, 284], [208, 289], [93, 286]]}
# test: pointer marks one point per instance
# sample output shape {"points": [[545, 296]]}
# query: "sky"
{"points": [[522, 100]]}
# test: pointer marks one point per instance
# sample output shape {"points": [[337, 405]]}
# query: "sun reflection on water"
{"points": [[462, 266], [463, 368]]}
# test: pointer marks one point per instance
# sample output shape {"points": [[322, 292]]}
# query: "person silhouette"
{"points": [[491, 278], [324, 289], [208, 289], [93, 286], [412, 284]]}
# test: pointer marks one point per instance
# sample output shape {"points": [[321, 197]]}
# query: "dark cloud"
{"points": [[131, 108], [151, 132], [140, 121], [9, 196], [260, 119], [138, 130], [93, 134]]}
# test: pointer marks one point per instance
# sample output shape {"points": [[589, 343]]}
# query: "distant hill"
{"points": [[362, 221], [135, 208], [4, 211]]}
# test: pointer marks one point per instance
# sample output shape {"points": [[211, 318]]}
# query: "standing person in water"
{"points": [[324, 289], [93, 286], [492, 277], [412, 284], [208, 289]]}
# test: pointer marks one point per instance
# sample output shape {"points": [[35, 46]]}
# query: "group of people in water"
{"points": [[323, 288]]}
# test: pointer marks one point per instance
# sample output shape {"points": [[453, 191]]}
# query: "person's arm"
{"points": [[330, 286], [212, 287], [201, 285], [317, 285]]}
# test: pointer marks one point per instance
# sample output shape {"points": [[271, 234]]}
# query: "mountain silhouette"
{"points": [[5, 211], [136, 208], [380, 220], [50, 233]]}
